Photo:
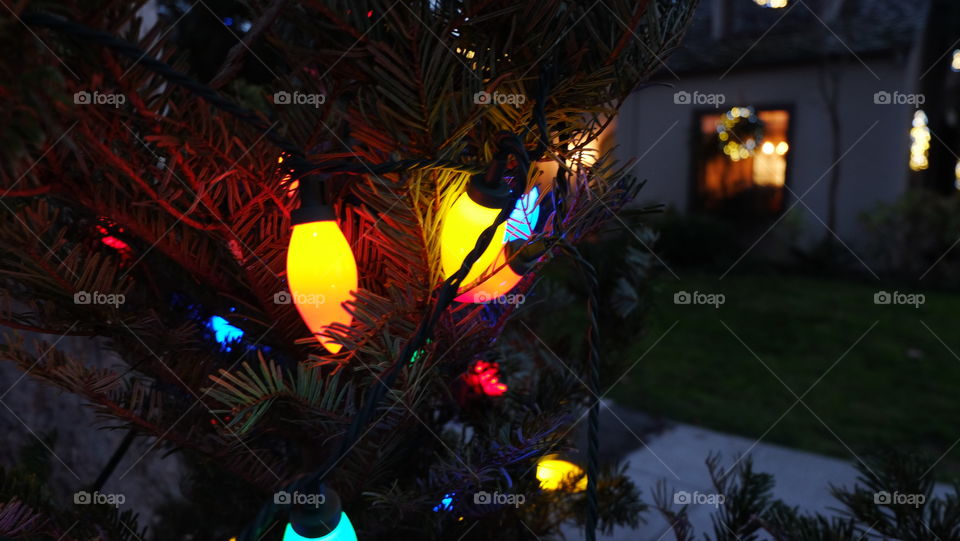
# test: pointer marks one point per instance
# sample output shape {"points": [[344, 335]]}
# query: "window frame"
{"points": [[693, 202]]}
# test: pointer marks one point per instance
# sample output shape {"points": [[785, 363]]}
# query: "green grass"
{"points": [[897, 387]]}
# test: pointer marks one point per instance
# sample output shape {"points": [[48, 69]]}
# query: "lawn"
{"points": [[872, 377]]}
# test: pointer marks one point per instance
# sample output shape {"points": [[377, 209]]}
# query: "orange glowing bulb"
{"points": [[463, 223], [322, 275]]}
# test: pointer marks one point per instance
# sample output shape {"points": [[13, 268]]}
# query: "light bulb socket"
{"points": [[485, 194], [312, 521], [312, 213], [313, 207]]}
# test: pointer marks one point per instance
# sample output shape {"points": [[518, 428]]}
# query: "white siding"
{"points": [[659, 133]]}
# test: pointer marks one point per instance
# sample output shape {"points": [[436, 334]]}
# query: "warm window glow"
{"points": [[919, 142], [769, 170], [955, 62], [587, 156], [742, 162]]}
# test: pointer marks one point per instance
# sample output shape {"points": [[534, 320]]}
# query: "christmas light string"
{"points": [[589, 273], [507, 145], [296, 160]]}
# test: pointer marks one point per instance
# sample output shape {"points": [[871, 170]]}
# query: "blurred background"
{"points": [[806, 153], [795, 295]]}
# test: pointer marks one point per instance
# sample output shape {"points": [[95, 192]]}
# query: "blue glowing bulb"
{"points": [[225, 333], [524, 217], [343, 532], [446, 503]]}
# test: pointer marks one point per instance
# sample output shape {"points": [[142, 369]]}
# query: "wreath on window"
{"points": [[739, 133]]}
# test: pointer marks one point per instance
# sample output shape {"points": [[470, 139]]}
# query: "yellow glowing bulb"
{"points": [[322, 275], [462, 225], [782, 148], [767, 148], [497, 285], [555, 474]]}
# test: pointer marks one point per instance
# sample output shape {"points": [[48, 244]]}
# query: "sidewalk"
{"points": [[677, 455], [676, 452]]}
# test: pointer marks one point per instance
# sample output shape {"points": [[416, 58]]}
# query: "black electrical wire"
{"points": [[448, 290], [115, 459], [295, 161], [589, 273]]}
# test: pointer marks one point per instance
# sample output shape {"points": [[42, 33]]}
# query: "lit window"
{"points": [[919, 141], [742, 162]]}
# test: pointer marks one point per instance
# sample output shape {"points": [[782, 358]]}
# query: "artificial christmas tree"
{"points": [[145, 206]]}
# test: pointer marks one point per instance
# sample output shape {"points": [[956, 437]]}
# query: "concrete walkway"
{"points": [[676, 454]]}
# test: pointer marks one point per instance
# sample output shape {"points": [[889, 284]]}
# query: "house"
{"points": [[768, 103]]}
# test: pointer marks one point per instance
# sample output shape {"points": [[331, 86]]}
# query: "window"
{"points": [[742, 163]]}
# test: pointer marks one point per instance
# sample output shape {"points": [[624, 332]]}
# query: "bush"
{"points": [[697, 240], [913, 238]]}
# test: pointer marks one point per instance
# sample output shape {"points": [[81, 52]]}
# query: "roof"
{"points": [[800, 32]]}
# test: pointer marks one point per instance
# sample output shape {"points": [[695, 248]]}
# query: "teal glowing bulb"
{"points": [[523, 220], [343, 532]]}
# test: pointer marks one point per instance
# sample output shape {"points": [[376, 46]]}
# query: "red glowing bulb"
{"points": [[485, 378]]}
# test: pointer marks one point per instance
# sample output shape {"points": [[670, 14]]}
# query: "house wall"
{"points": [[659, 134]]}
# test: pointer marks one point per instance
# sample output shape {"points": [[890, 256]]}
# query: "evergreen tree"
{"points": [[137, 204]]}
